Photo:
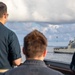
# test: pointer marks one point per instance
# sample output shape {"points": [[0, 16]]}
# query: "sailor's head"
{"points": [[35, 44], [3, 12]]}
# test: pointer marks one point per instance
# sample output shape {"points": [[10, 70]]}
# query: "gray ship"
{"points": [[68, 49]]}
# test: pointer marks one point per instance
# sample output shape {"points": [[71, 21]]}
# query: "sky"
{"points": [[54, 18], [53, 11]]}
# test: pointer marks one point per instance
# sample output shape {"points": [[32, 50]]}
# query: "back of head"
{"points": [[34, 44], [3, 9]]}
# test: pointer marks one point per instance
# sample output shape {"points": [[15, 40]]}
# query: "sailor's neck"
{"points": [[2, 22]]}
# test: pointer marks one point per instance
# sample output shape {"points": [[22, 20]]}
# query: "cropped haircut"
{"points": [[3, 9], [35, 44]]}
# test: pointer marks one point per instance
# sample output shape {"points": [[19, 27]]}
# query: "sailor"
{"points": [[72, 65], [10, 53]]}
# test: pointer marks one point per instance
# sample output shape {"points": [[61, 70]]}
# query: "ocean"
{"points": [[59, 57]]}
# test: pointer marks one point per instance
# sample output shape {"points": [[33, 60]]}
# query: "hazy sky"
{"points": [[53, 11]]}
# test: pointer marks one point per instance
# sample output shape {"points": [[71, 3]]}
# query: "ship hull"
{"points": [[68, 51]]}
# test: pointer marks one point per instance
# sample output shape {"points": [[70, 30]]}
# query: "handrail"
{"points": [[62, 67], [64, 71]]}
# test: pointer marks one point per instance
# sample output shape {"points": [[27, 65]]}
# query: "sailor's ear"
{"points": [[44, 53], [5, 15], [23, 50]]}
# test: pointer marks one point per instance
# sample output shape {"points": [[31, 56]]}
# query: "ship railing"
{"points": [[59, 66]]}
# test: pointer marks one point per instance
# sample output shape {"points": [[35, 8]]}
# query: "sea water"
{"points": [[59, 57]]}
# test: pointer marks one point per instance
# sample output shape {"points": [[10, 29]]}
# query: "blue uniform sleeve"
{"points": [[14, 47]]}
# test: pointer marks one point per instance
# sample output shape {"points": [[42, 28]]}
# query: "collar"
{"points": [[1, 23], [35, 62]]}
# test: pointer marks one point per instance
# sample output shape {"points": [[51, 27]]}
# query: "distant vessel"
{"points": [[68, 49]]}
